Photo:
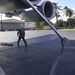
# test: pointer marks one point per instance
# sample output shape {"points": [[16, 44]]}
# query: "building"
{"points": [[14, 24]]}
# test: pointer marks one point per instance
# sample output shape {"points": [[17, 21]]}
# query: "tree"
{"points": [[37, 24], [60, 23], [69, 13], [57, 8], [40, 24]]}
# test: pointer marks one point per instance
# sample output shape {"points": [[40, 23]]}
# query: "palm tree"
{"points": [[40, 25], [69, 13], [57, 14]]}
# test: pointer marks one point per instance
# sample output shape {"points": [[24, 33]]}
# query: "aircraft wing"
{"points": [[23, 10], [14, 5]]}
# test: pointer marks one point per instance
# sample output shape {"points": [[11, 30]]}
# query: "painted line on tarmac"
{"points": [[54, 66], [1, 71], [73, 47]]}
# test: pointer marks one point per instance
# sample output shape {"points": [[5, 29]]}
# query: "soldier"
{"points": [[21, 35]]}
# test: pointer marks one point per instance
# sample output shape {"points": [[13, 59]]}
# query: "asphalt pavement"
{"points": [[41, 55]]}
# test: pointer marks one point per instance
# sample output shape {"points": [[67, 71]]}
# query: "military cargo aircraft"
{"points": [[29, 10]]}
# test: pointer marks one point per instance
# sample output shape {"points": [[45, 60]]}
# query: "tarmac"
{"points": [[41, 57]]}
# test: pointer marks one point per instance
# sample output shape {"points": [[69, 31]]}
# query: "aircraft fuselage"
{"points": [[12, 5]]}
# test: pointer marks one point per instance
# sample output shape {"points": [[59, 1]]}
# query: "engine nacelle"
{"points": [[45, 7], [34, 1]]}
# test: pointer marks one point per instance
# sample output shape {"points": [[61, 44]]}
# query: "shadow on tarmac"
{"points": [[38, 57]]}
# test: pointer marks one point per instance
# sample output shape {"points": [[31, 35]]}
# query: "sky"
{"points": [[69, 3], [62, 3]]}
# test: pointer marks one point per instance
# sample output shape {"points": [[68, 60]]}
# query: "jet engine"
{"points": [[34, 1], [45, 7]]}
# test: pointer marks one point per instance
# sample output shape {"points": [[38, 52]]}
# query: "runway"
{"points": [[37, 59]]}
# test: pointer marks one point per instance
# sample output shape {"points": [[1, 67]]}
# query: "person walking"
{"points": [[21, 35]]}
